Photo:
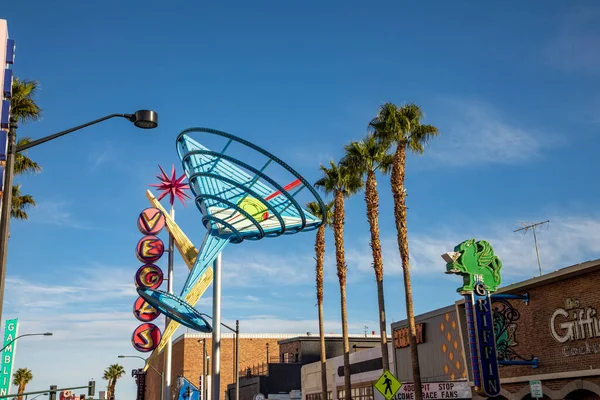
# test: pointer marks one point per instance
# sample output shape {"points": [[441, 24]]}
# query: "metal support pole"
{"points": [[204, 371], [9, 170], [237, 359], [216, 334], [169, 346]]}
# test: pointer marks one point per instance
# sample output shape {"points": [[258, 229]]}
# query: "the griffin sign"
{"points": [[480, 268]]}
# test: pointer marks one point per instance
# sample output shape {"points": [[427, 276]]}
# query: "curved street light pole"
{"points": [[145, 119], [162, 392], [26, 334], [236, 331]]}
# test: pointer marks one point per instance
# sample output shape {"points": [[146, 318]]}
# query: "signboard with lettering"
{"points": [[475, 261], [486, 341], [401, 336], [8, 355], [536, 389], [574, 325], [432, 390]]}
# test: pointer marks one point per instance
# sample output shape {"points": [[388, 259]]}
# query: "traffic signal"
{"points": [[92, 388], [52, 392]]}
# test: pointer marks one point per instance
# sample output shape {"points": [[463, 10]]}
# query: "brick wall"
{"points": [[187, 358], [533, 331]]}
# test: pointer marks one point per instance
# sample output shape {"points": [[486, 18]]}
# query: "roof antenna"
{"points": [[532, 227]]}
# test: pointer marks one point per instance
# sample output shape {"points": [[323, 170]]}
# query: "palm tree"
{"points": [[112, 374], [342, 182], [20, 202], [24, 107], [402, 126], [367, 157], [22, 104], [315, 209], [21, 378]]}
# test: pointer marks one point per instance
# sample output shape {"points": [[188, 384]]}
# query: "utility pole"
{"points": [[532, 227]]}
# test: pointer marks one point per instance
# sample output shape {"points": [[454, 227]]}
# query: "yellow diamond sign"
{"points": [[387, 385]]}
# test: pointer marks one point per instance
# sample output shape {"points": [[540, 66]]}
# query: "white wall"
{"points": [[311, 373]]}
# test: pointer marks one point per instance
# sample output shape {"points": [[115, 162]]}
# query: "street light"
{"points": [[237, 353], [144, 119], [162, 393], [26, 334], [33, 398]]}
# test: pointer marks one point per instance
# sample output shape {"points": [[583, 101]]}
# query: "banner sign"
{"points": [[432, 390], [8, 355]]}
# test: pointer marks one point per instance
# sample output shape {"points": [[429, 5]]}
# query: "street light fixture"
{"points": [[162, 392], [237, 353], [26, 334], [144, 119]]}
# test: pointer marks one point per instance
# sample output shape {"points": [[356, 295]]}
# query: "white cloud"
{"points": [[566, 241], [575, 46], [56, 213], [100, 157], [473, 133]]}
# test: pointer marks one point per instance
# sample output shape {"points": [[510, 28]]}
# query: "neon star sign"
{"points": [[172, 186]]}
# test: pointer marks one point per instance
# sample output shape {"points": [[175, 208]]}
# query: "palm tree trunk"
{"points": [[372, 200], [320, 256], [21, 390], [397, 183], [338, 234]]}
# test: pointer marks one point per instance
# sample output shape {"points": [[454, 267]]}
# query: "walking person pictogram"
{"points": [[388, 385]]}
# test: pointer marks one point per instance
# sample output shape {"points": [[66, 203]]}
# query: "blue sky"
{"points": [[513, 89]]}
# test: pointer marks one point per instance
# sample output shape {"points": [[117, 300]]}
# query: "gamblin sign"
{"points": [[8, 355], [576, 323]]}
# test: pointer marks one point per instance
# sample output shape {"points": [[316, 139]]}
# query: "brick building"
{"points": [[286, 354], [187, 357], [559, 326], [283, 374]]}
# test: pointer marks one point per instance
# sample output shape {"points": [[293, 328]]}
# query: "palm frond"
{"points": [[339, 178], [22, 104], [24, 164], [20, 203], [367, 155]]}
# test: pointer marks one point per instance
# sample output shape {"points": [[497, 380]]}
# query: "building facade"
{"points": [[188, 358], [269, 363], [559, 326], [281, 378], [441, 355], [366, 366]]}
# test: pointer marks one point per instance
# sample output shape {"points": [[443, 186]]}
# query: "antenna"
{"points": [[532, 227]]}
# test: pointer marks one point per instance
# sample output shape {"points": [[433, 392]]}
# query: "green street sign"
{"points": [[8, 355]]}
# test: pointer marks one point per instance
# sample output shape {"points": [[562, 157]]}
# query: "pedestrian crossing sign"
{"points": [[387, 385]]}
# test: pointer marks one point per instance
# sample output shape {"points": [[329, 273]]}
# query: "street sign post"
{"points": [[536, 389], [387, 385]]}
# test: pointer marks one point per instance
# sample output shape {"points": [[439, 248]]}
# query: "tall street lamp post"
{"points": [[237, 354], [162, 392], [145, 119], [26, 334]]}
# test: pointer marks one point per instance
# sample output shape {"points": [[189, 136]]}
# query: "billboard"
{"points": [[8, 355]]}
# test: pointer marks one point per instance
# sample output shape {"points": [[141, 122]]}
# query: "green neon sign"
{"points": [[8, 355], [476, 262]]}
